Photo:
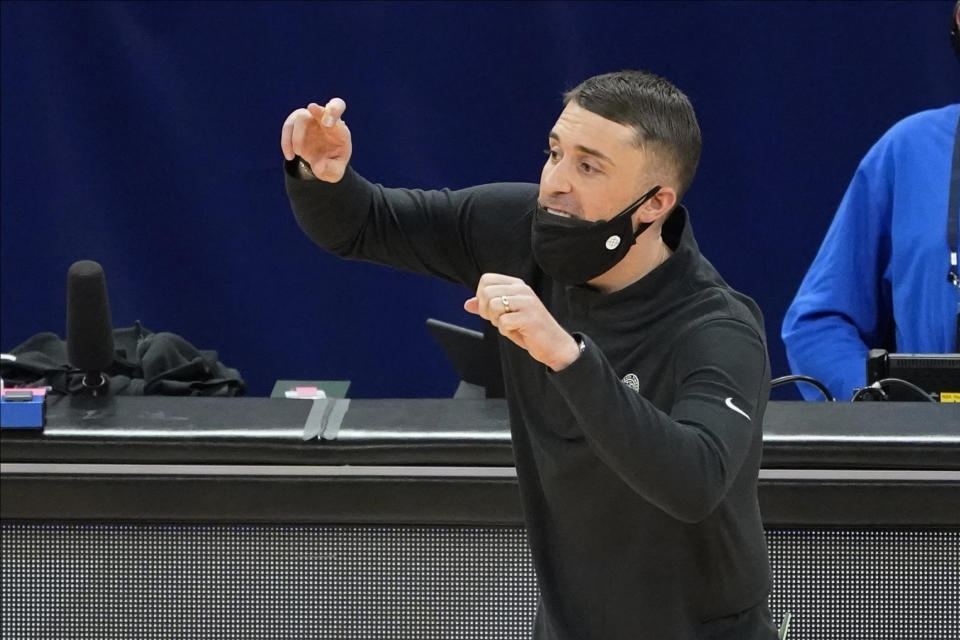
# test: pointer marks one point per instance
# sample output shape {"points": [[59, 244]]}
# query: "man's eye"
{"points": [[551, 153], [586, 167]]}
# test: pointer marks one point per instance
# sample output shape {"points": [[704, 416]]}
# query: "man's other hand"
{"points": [[512, 306]]}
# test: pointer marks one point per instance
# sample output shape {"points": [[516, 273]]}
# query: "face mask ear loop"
{"points": [[643, 226]]}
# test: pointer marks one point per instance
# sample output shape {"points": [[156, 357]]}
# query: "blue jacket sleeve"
{"points": [[843, 306]]}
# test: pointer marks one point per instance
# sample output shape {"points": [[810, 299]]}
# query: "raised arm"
{"points": [[454, 235]]}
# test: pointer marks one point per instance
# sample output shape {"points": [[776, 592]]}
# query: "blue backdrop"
{"points": [[146, 136]]}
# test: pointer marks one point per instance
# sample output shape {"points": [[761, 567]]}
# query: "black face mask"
{"points": [[573, 251]]}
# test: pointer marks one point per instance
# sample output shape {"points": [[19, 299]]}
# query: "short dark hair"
{"points": [[659, 112]]}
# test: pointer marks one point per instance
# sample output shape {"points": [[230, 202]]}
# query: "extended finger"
{"points": [[316, 111], [333, 111]]}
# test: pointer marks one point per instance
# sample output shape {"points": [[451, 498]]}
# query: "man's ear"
{"points": [[659, 205]]}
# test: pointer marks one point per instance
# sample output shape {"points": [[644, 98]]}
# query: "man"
{"points": [[886, 274], [636, 379]]}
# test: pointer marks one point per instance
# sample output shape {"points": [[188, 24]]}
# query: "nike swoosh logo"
{"points": [[729, 403]]}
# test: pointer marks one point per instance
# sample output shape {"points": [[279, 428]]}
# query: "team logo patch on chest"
{"points": [[632, 381]]}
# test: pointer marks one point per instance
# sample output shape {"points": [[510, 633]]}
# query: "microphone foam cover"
{"points": [[89, 329]]}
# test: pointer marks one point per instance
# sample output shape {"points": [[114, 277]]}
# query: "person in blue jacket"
{"points": [[882, 276]]}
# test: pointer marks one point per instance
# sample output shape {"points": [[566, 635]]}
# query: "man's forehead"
{"points": [[585, 149], [579, 126]]}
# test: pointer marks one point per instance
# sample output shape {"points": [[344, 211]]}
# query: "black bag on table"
{"points": [[144, 363]]}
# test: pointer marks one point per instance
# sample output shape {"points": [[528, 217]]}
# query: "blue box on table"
{"points": [[22, 408]]}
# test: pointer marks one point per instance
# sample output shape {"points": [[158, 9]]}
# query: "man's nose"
{"points": [[554, 178]]}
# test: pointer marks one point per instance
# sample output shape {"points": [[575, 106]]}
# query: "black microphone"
{"points": [[89, 329]]}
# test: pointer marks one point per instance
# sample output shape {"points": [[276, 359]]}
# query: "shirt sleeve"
{"points": [[843, 307], [454, 235], [683, 459]]}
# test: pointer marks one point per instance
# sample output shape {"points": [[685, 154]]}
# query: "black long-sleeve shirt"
{"points": [[637, 463]]}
